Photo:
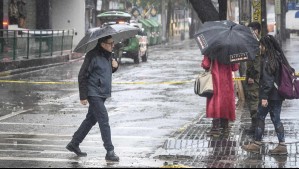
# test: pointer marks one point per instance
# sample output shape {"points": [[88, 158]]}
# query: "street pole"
{"points": [[264, 18], [278, 19], [245, 17], [183, 32], [280, 10], [1, 27], [244, 12], [163, 20], [283, 20]]}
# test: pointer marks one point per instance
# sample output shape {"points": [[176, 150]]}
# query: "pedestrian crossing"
{"points": [[46, 149]]}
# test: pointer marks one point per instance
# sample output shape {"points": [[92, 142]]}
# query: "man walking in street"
{"points": [[252, 82], [95, 83]]}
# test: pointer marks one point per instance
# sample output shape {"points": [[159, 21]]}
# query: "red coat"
{"points": [[222, 103]]}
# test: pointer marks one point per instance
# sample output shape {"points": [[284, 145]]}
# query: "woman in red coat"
{"points": [[221, 106]]}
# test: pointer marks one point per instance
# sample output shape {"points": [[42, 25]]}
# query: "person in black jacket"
{"points": [[270, 100], [252, 81], [95, 81]]}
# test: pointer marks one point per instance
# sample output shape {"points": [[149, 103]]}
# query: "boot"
{"points": [[75, 148], [111, 156], [215, 130], [253, 147], [225, 125], [281, 149]]}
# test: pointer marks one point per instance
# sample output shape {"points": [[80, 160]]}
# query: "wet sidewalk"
{"points": [[191, 146]]}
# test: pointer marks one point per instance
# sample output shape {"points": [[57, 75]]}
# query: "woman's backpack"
{"points": [[289, 83]]}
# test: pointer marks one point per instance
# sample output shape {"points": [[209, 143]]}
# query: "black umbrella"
{"points": [[119, 32], [227, 41]]}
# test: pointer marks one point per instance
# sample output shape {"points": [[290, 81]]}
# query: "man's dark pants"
{"points": [[97, 112]]}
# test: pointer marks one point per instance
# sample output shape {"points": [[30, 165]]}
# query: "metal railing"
{"points": [[31, 44]]}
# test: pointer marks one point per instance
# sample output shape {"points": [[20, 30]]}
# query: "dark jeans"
{"points": [[274, 107], [97, 112]]}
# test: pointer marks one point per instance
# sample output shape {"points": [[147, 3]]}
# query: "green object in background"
{"points": [[158, 30], [155, 30], [133, 45], [114, 16], [159, 40], [147, 29]]}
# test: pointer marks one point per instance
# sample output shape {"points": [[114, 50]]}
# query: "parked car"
{"points": [[136, 47]]}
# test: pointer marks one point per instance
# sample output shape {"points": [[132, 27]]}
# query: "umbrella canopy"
{"points": [[227, 41], [118, 32]]}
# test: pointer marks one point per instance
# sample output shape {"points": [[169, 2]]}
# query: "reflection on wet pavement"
{"points": [[194, 147]]}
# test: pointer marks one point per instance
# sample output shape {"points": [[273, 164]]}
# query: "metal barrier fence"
{"points": [[31, 44]]}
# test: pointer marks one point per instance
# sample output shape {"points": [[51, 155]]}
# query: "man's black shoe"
{"points": [[73, 148], [111, 156]]}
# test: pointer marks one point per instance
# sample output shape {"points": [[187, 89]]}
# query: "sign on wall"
{"points": [[257, 11]]}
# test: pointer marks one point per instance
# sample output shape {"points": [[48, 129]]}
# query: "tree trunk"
{"points": [[264, 18], [205, 10], [222, 9], [195, 24], [43, 14], [96, 13], [105, 5], [164, 21], [283, 20], [1, 15], [1, 27], [245, 13], [169, 14]]}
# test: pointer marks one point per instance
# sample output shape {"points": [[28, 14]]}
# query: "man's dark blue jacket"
{"points": [[95, 76]]}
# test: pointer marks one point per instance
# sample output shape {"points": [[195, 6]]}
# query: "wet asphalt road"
{"points": [[154, 115], [40, 111]]}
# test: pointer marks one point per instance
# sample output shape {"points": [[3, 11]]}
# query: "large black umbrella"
{"points": [[227, 41], [119, 32]]}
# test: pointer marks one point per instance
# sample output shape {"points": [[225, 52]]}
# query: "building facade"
{"points": [[58, 14]]}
